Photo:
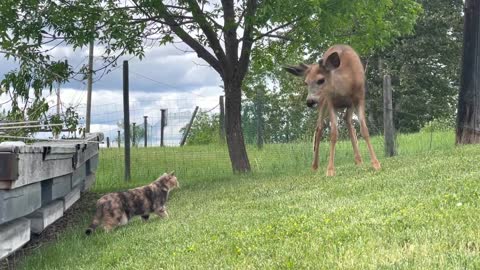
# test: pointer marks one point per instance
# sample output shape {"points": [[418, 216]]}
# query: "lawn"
{"points": [[421, 211]]}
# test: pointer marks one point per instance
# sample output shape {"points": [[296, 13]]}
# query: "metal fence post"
{"points": [[126, 120]]}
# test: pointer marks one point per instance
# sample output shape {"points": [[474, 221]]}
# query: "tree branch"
{"points": [[230, 33], [269, 33], [185, 37], [247, 38], [207, 29]]}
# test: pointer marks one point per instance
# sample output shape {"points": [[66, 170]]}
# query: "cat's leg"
{"points": [[162, 212], [114, 218]]}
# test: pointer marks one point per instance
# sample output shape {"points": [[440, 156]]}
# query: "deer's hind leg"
{"points": [[366, 135], [353, 135]]}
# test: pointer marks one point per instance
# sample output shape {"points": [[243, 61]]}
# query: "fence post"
{"points": [[145, 126], [119, 139], [108, 142], [185, 135], [126, 120], [389, 129], [163, 123], [222, 119], [259, 113], [134, 136]]}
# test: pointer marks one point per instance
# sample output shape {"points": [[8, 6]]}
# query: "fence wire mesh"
{"points": [[277, 142]]}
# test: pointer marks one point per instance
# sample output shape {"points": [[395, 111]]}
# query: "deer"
{"points": [[336, 83]]}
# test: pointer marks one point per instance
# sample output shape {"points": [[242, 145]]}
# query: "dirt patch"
{"points": [[71, 218]]}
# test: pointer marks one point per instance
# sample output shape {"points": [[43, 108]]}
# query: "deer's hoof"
{"points": [[376, 165], [330, 172], [358, 162], [314, 167]]}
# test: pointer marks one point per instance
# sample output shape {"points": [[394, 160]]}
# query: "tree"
{"points": [[222, 33], [468, 117], [425, 69]]}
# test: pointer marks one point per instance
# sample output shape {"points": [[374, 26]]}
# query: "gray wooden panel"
{"points": [[19, 202], [13, 235]]}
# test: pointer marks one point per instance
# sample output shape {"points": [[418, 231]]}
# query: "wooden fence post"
{"points": [[134, 136], [388, 127], [119, 139], [259, 113], [222, 119], [145, 126], [185, 135], [108, 142], [163, 123]]}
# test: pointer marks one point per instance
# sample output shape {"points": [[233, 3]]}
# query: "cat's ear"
{"points": [[172, 173]]}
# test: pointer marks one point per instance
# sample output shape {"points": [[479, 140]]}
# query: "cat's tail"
{"points": [[96, 220]]}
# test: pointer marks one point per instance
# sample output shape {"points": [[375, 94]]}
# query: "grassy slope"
{"points": [[420, 211]]}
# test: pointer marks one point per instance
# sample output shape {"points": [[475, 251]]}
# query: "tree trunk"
{"points": [[233, 122], [468, 118]]}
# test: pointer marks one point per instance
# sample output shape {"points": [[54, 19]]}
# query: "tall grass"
{"points": [[210, 162]]}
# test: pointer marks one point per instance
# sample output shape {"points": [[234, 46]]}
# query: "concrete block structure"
{"points": [[38, 182], [13, 235]]}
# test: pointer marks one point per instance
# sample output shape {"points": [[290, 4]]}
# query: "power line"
{"points": [[165, 84]]}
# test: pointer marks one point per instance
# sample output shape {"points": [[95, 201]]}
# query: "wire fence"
{"points": [[286, 143], [278, 133]]}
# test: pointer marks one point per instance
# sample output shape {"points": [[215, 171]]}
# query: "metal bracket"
{"points": [[46, 150], [8, 166]]}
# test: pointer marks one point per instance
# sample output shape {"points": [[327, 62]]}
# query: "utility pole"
{"points": [[89, 86]]}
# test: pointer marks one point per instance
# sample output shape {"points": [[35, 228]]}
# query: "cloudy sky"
{"points": [[169, 77]]}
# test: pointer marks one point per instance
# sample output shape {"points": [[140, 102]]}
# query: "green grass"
{"points": [[419, 212]]}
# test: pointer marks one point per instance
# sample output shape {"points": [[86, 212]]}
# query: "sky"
{"points": [[169, 77]]}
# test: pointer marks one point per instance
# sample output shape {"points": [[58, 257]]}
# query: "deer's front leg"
{"points": [[316, 138], [333, 140]]}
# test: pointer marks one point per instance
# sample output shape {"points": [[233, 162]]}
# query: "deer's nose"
{"points": [[311, 103]]}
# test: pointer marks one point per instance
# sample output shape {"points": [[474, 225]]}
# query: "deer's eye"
{"points": [[321, 81]]}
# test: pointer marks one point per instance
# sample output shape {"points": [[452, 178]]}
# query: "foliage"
{"points": [[205, 129], [30, 30], [424, 66], [417, 213], [425, 69], [440, 124]]}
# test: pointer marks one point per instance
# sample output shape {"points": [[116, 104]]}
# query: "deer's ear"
{"points": [[332, 62], [297, 70]]}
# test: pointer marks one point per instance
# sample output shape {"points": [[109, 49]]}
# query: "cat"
{"points": [[116, 209]]}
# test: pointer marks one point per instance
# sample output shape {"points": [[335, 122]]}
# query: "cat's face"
{"points": [[170, 180]]}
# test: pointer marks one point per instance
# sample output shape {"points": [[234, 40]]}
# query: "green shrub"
{"points": [[439, 124]]}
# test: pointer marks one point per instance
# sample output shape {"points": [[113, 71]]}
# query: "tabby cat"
{"points": [[116, 209]]}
